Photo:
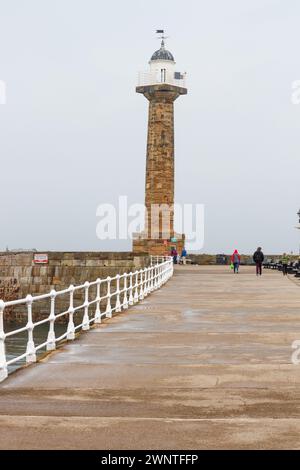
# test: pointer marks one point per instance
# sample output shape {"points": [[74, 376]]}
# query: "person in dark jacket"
{"points": [[174, 254], [258, 259]]}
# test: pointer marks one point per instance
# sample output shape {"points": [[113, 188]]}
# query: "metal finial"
{"points": [[162, 36]]}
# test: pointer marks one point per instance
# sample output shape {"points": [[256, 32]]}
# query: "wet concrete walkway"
{"points": [[203, 363]]}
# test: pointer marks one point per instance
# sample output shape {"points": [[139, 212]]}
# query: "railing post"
{"points": [[141, 295], [71, 326], [136, 293], [108, 305], [163, 274], [86, 319], [155, 277], [151, 279], [146, 282], [118, 302], [30, 350], [51, 344], [159, 275], [125, 298], [166, 272], [130, 290], [98, 299], [3, 365]]}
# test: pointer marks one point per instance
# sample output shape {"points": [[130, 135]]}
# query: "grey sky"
{"points": [[73, 131]]}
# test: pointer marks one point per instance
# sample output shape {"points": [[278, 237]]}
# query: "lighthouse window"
{"points": [[163, 75]]}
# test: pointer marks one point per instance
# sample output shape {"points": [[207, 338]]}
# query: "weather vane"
{"points": [[162, 34]]}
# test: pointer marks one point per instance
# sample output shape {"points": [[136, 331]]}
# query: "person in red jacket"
{"points": [[236, 260]]}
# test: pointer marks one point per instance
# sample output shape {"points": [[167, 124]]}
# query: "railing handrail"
{"points": [[156, 259], [135, 286]]}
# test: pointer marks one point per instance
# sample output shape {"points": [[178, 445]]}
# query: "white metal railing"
{"points": [[156, 259], [151, 78], [130, 288]]}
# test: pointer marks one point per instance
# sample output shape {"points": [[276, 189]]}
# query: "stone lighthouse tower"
{"points": [[161, 85]]}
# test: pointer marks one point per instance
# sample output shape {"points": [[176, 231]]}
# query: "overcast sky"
{"points": [[73, 131]]}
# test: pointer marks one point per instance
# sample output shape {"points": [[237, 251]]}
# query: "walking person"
{"points": [[236, 261], [174, 254], [258, 259], [285, 261], [183, 255]]}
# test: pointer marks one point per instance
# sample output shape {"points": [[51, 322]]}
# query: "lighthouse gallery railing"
{"points": [[129, 288]]}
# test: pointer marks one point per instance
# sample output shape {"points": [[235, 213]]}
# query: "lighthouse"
{"points": [[162, 84]]}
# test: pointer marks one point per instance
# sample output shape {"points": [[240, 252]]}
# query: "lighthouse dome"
{"points": [[162, 54]]}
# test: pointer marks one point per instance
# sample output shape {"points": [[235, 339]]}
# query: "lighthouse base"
{"points": [[158, 246]]}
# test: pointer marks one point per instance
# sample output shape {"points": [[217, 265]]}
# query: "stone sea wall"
{"points": [[20, 276]]}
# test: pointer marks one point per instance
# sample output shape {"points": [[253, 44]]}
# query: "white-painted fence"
{"points": [[129, 289]]}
